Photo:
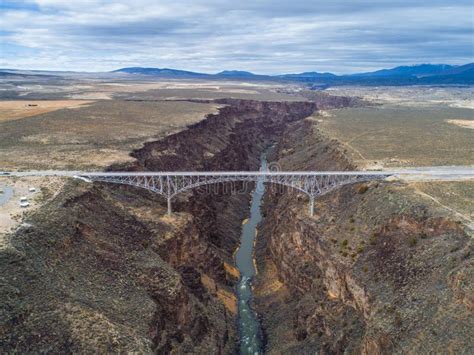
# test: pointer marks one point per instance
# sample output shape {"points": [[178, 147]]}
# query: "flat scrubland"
{"points": [[143, 89], [393, 135], [216, 90], [411, 96], [91, 136], [91, 123]]}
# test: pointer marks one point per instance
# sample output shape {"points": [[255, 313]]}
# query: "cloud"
{"points": [[267, 36]]}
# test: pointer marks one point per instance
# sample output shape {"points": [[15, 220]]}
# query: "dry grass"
{"points": [[215, 91], [150, 88], [231, 270], [228, 299]]}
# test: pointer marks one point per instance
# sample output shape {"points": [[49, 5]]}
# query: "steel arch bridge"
{"points": [[169, 184]]}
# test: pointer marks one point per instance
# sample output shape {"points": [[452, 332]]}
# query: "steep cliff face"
{"points": [[375, 271], [88, 273], [101, 268], [230, 140]]}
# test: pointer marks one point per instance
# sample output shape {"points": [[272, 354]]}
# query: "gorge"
{"points": [[358, 277]]}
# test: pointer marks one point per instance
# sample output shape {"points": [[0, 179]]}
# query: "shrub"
{"points": [[412, 241], [145, 243], [362, 189], [398, 319], [373, 239]]}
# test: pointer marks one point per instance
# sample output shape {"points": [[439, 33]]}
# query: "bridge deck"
{"points": [[436, 172]]}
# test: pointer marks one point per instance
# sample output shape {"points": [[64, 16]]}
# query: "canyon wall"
{"points": [[375, 271]]}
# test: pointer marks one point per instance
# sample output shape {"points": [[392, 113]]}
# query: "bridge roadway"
{"points": [[312, 183]]}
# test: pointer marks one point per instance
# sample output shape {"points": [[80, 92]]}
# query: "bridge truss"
{"points": [[169, 184]]}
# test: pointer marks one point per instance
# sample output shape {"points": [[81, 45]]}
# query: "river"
{"points": [[250, 332]]}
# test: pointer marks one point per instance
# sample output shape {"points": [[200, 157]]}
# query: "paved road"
{"points": [[6, 195], [436, 173]]}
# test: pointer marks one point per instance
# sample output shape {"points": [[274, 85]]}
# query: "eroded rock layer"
{"points": [[376, 271]]}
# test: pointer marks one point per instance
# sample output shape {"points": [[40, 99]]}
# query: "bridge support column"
{"points": [[311, 206], [169, 205]]}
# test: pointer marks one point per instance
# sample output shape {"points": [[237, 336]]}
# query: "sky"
{"points": [[262, 36]]}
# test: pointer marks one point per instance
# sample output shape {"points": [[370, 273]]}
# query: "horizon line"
{"points": [[233, 70]]}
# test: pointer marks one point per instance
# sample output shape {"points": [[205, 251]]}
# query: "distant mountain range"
{"points": [[165, 72], [412, 70], [402, 75], [422, 74]]}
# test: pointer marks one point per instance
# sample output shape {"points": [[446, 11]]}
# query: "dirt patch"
{"points": [[16, 109], [462, 123]]}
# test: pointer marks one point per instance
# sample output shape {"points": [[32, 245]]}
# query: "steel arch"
{"points": [[170, 184]]}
